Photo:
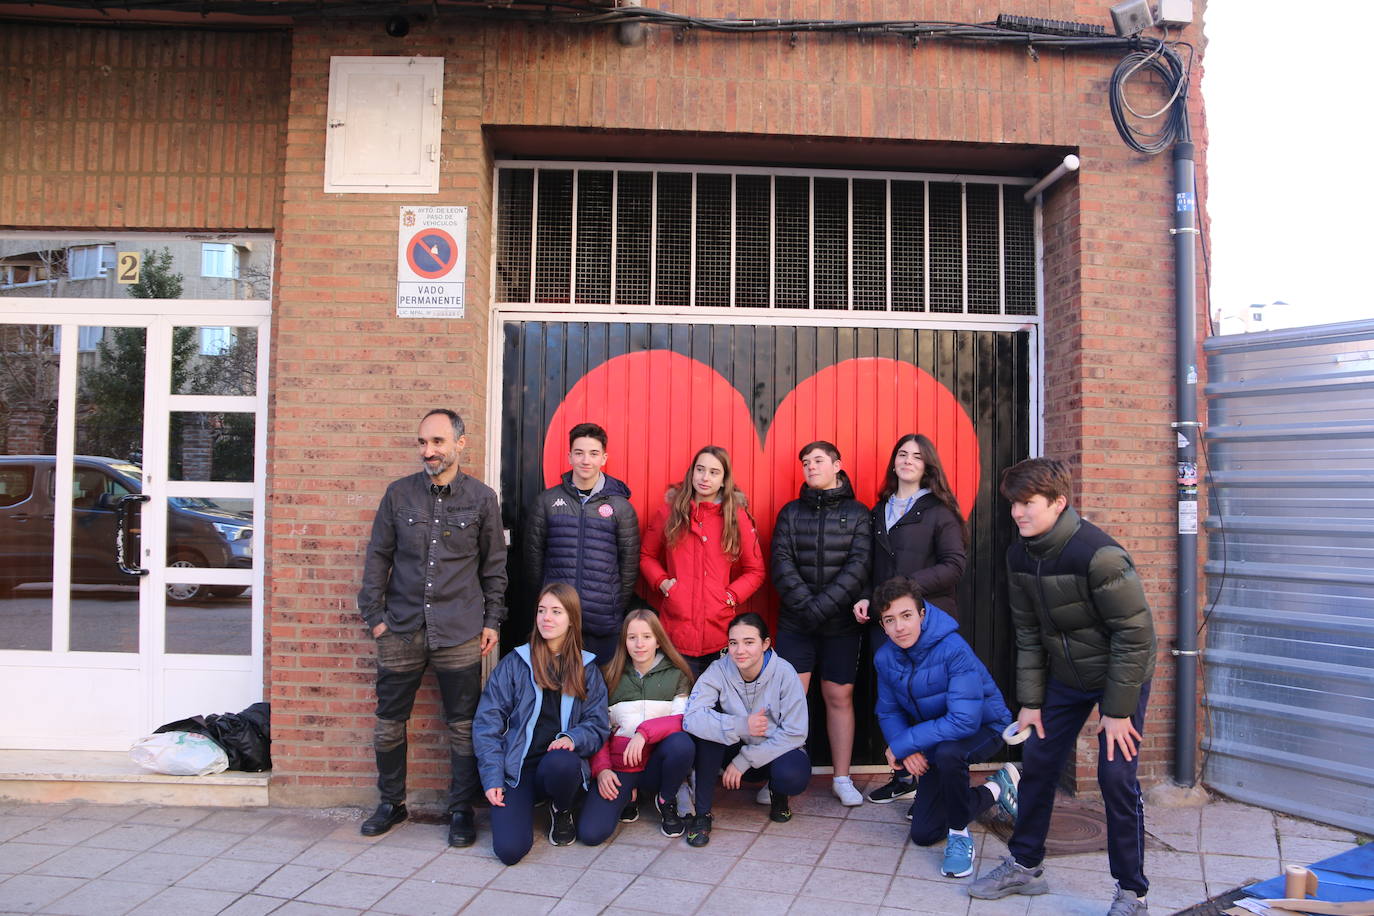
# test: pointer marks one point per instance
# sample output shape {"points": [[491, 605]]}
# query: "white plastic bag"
{"points": [[179, 754]]}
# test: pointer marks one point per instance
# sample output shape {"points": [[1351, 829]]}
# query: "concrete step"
{"points": [[111, 778]]}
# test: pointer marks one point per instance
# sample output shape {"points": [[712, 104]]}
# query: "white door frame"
{"points": [[162, 679]]}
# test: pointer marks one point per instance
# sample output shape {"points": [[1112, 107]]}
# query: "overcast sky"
{"points": [[1291, 191]]}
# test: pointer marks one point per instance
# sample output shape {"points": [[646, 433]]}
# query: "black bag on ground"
{"points": [[245, 736]]}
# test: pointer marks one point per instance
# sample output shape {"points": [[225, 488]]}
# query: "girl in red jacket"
{"points": [[695, 542]]}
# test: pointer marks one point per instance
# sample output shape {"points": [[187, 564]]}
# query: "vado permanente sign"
{"points": [[431, 262]]}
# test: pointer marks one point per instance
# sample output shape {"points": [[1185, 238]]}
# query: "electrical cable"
{"points": [[1162, 60]]}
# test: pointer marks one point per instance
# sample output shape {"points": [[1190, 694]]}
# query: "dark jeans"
{"points": [[401, 662], [669, 763], [786, 775], [1063, 714], [555, 776], [944, 801], [603, 647], [699, 663]]}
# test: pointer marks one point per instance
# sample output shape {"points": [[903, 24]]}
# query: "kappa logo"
{"points": [[558, 502]]}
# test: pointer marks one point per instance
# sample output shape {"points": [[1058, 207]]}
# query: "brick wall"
{"points": [[141, 128]]}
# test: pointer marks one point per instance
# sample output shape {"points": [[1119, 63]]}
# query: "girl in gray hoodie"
{"points": [[748, 713]]}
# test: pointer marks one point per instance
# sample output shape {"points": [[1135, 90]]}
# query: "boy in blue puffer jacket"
{"points": [[940, 711]]}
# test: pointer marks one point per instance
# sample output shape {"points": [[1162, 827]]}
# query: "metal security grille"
{"points": [[748, 238]]}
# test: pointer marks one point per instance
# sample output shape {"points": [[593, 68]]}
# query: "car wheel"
{"points": [[182, 592]]}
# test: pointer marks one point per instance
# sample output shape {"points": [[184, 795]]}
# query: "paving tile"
{"points": [[300, 908], [65, 832], [847, 886], [252, 905], [183, 901], [856, 857], [328, 854], [1300, 850], [893, 812], [631, 859], [687, 864], [425, 898], [291, 880], [818, 906], [12, 825], [394, 861], [1060, 905], [105, 812], [103, 898], [538, 878], [30, 893], [16, 857], [195, 842], [817, 803], [1168, 895], [36, 809], [567, 907], [82, 862], [1297, 827], [509, 904], [229, 875], [928, 894], [308, 822], [1007, 906], [347, 889], [263, 847], [874, 833], [460, 867], [1091, 884], [663, 895], [576, 856], [772, 877], [1223, 872], [820, 829], [642, 834], [1173, 820], [163, 868], [923, 862], [769, 847], [240, 820], [131, 836], [745, 900], [598, 887], [171, 816], [420, 836], [1175, 865]]}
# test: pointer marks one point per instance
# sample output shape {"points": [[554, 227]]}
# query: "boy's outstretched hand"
{"points": [[1120, 733]]}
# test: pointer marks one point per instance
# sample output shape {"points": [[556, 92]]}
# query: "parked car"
{"points": [[201, 532]]}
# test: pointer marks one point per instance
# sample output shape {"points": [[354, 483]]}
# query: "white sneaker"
{"points": [[844, 790], [764, 797]]}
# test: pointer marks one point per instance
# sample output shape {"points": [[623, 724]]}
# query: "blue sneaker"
{"points": [[1008, 779], [958, 861]]}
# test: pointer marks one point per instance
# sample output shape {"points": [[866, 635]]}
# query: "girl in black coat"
{"points": [[919, 533]]}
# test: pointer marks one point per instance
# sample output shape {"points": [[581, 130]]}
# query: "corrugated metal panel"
{"points": [[1290, 643], [664, 390]]}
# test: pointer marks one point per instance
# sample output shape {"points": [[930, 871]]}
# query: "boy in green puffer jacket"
{"points": [[1084, 638]]}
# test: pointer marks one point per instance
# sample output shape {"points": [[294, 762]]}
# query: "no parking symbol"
{"points": [[431, 262]]}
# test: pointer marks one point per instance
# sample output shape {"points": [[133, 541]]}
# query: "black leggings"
{"points": [[668, 765], [786, 775]]}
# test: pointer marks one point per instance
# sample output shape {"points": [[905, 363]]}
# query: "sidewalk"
{"points": [[105, 860]]}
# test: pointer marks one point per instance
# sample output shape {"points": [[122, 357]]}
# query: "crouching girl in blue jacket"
{"points": [[541, 716], [940, 711]]}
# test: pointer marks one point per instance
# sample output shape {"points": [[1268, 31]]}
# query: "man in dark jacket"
{"points": [[1084, 638], [821, 547], [433, 594], [585, 532]]}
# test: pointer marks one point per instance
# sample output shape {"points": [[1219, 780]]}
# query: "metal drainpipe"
{"points": [[630, 34], [1186, 429]]}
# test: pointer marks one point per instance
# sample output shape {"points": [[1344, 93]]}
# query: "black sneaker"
{"points": [[779, 811], [673, 824], [895, 788], [699, 834], [562, 829], [630, 813]]}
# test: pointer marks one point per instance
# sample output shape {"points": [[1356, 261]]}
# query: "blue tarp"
{"points": [[1347, 876]]}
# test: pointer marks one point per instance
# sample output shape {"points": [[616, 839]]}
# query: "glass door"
{"points": [[132, 464]]}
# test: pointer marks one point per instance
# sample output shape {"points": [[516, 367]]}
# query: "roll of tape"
{"points": [[1012, 736]]}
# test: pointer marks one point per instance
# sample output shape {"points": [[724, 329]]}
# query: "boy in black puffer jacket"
{"points": [[822, 544], [1084, 639]]}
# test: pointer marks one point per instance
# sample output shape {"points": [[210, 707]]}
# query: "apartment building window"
{"points": [[87, 261], [219, 259]]}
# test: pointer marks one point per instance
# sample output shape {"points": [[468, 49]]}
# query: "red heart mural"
{"points": [[659, 407]]}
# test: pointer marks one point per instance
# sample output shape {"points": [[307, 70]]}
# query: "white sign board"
{"points": [[431, 262]]}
